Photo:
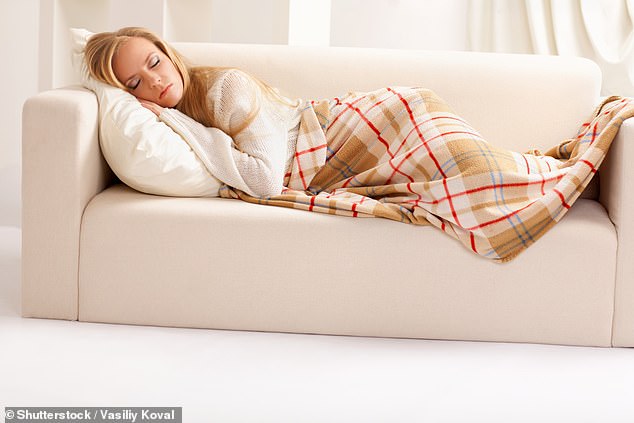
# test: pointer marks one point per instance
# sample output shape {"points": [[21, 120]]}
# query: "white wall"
{"points": [[409, 24], [18, 81]]}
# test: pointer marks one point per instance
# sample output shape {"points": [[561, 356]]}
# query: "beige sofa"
{"points": [[95, 250]]}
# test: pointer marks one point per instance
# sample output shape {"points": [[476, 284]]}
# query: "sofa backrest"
{"points": [[516, 101]]}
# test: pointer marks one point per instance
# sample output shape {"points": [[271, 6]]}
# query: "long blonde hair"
{"points": [[102, 47]]}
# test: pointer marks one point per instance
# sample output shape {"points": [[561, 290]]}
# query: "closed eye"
{"points": [[135, 83]]}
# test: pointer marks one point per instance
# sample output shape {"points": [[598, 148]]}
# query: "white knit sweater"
{"points": [[257, 158]]}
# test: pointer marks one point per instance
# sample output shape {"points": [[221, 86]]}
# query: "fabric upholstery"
{"points": [[226, 264], [62, 169], [617, 197]]}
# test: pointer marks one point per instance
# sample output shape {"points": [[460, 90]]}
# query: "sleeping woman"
{"points": [[396, 152], [259, 122]]}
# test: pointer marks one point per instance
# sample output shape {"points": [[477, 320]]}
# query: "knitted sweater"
{"points": [[257, 158]]}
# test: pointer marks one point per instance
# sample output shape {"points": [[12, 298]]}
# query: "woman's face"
{"points": [[147, 72]]}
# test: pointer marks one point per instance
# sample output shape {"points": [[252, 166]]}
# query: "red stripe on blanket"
{"points": [[582, 131], [299, 163], [473, 246], [376, 131], [431, 155], [367, 121], [420, 136], [411, 117], [415, 128], [451, 133], [594, 132], [354, 210], [488, 187], [453, 211], [409, 188], [592, 168], [348, 107], [563, 200], [498, 186], [310, 150], [396, 169], [516, 184], [301, 172], [506, 216], [312, 203], [499, 219], [528, 168]]}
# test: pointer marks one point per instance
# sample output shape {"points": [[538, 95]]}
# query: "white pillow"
{"points": [[142, 151]]}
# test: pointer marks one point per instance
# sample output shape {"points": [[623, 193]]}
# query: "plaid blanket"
{"points": [[400, 153]]}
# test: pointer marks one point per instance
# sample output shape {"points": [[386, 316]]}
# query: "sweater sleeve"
{"points": [[253, 161]]}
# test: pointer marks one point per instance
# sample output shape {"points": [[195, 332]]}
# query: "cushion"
{"points": [[142, 151]]}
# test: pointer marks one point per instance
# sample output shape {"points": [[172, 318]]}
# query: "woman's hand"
{"points": [[153, 107]]}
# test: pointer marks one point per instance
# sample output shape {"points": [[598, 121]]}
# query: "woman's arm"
{"points": [[253, 172], [232, 98]]}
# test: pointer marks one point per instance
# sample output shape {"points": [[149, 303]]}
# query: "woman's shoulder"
{"points": [[231, 81], [231, 95], [232, 88]]}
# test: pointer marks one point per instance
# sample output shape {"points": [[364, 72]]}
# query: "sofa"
{"points": [[95, 250]]}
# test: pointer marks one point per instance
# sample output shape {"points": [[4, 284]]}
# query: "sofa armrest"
{"points": [[617, 196], [62, 169]]}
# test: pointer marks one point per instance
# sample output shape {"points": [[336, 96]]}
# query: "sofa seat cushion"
{"points": [[227, 264]]}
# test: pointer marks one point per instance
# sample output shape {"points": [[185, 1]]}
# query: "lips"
{"points": [[164, 92]]}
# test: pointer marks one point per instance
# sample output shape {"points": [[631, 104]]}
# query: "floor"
{"points": [[227, 376]]}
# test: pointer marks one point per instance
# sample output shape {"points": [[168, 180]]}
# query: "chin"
{"points": [[173, 101], [170, 102]]}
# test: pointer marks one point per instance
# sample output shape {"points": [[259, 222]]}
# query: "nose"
{"points": [[156, 79], [153, 78]]}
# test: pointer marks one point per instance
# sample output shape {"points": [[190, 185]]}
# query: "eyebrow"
{"points": [[146, 60]]}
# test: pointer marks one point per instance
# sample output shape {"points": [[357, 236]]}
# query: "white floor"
{"points": [[225, 376]]}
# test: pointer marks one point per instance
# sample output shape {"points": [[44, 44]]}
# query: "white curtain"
{"points": [[601, 30]]}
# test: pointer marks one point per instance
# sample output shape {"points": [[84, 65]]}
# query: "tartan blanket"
{"points": [[401, 153]]}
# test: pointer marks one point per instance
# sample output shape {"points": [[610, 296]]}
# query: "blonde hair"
{"points": [[102, 47]]}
